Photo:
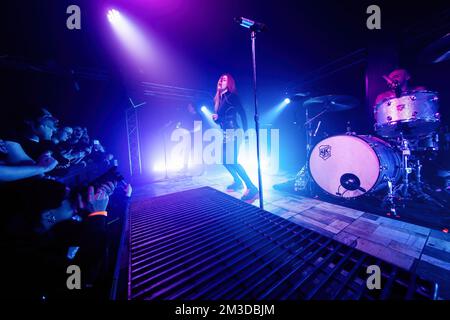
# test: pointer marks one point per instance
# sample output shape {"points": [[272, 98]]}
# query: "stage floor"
{"points": [[412, 247]]}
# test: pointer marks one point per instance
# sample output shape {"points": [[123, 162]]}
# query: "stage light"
{"points": [[134, 39], [113, 15], [282, 105], [271, 115], [208, 116], [159, 167]]}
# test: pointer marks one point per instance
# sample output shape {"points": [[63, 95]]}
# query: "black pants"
{"points": [[231, 163]]}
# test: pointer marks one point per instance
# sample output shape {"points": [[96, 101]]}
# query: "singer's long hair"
{"points": [[231, 87]]}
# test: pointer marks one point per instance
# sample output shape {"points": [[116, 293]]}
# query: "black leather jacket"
{"points": [[229, 107]]}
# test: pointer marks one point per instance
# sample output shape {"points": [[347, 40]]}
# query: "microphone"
{"points": [[388, 80], [397, 89], [394, 85], [351, 182], [250, 24]]}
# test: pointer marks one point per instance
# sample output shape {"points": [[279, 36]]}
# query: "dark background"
{"points": [[84, 77]]}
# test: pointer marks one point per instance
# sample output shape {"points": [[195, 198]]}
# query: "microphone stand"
{"points": [[256, 117]]}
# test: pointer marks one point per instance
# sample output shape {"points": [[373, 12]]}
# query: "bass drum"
{"points": [[350, 166]]}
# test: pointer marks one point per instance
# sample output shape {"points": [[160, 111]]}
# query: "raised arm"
{"points": [[13, 173], [20, 166]]}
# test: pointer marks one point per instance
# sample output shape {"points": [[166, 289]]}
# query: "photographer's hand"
{"points": [[109, 187], [47, 162], [128, 190], [97, 201]]}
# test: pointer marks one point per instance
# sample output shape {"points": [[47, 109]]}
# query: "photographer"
{"points": [[38, 231]]}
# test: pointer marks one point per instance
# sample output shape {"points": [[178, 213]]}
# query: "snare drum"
{"points": [[413, 115], [350, 166]]}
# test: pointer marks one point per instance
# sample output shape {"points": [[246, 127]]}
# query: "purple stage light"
{"points": [[113, 16], [134, 39]]}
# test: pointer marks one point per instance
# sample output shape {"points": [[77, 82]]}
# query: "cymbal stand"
{"points": [[304, 172], [390, 197], [406, 153], [419, 186], [408, 190]]}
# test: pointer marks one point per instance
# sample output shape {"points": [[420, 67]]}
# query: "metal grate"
{"points": [[203, 244]]}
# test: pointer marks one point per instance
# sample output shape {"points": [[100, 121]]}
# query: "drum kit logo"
{"points": [[325, 152]]}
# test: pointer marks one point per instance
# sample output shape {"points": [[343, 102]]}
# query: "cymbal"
{"points": [[332, 103], [437, 51]]}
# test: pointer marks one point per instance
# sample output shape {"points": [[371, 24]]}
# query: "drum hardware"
{"points": [[308, 186], [327, 103], [317, 128], [388, 200], [406, 170], [418, 172], [406, 153], [408, 189], [349, 131]]}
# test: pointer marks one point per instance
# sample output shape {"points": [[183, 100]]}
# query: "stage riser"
{"points": [[203, 244]]}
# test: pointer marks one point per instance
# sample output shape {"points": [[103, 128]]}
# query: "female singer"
{"points": [[227, 106]]}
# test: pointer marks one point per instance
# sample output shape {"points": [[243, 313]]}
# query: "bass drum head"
{"points": [[339, 155]]}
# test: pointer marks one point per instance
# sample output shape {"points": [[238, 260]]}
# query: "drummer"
{"points": [[398, 82]]}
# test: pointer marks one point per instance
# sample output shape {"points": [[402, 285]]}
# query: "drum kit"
{"points": [[352, 166]]}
